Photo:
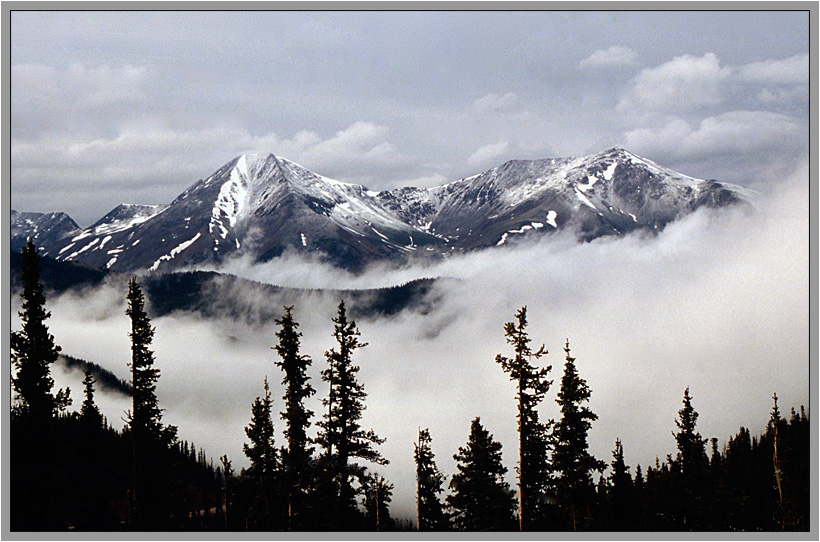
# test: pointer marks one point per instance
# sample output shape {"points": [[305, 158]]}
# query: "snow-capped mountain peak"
{"points": [[261, 205]]}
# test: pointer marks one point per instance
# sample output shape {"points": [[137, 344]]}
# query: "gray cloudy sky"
{"points": [[111, 107]]}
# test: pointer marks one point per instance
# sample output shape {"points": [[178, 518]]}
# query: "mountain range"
{"points": [[261, 205]]}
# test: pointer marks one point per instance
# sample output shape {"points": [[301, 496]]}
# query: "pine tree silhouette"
{"points": [[571, 458], [261, 451], [296, 460], [33, 350], [481, 499], [532, 384], [341, 434], [429, 481], [150, 438]]}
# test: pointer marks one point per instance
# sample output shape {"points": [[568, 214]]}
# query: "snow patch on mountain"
{"points": [[174, 252], [260, 205]]}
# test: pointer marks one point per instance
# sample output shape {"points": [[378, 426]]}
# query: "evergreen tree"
{"points": [[150, 439], [341, 434], [36, 476], [622, 491], [481, 499], [532, 383], [33, 350], [691, 463], [297, 417], [261, 451], [378, 493], [571, 458], [90, 412], [430, 511]]}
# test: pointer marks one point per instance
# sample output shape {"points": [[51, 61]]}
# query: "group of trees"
{"points": [[72, 470], [297, 487]]}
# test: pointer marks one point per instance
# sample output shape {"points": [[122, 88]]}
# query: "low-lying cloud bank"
{"points": [[717, 302]]}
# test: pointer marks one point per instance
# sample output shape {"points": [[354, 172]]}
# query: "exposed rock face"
{"points": [[261, 205], [45, 229]]}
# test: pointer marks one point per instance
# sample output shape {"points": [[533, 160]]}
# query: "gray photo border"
{"points": [[382, 5]]}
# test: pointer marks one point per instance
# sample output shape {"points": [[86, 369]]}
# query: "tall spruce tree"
{"points": [[481, 499], [33, 350], [90, 412], [571, 459], [341, 435], [149, 437], [35, 474], [296, 415], [622, 491], [532, 385], [691, 463], [430, 514], [261, 451]]}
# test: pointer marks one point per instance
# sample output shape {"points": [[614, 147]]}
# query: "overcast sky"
{"points": [[111, 107]]}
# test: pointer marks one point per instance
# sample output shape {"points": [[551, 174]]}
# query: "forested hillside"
{"points": [[73, 471]]}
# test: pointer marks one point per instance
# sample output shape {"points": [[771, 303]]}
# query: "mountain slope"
{"points": [[612, 192], [259, 206], [45, 229], [218, 295]]}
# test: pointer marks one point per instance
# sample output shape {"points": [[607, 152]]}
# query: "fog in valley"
{"points": [[718, 302]]}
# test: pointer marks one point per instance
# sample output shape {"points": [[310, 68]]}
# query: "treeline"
{"points": [[74, 471]]}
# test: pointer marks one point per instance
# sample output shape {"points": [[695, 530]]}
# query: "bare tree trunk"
{"points": [[418, 489], [521, 438], [378, 506]]}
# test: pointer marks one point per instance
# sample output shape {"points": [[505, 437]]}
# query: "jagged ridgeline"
{"points": [[212, 295], [259, 206]]}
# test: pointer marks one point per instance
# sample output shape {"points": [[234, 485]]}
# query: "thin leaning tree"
{"points": [[532, 385]]}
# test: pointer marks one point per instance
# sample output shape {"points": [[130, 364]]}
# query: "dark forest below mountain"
{"points": [[145, 478]]}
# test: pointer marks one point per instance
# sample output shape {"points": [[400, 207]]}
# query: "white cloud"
{"points": [[494, 102], [488, 154], [788, 71], [151, 153], [714, 294], [752, 148], [691, 84], [685, 82], [743, 132], [614, 56]]}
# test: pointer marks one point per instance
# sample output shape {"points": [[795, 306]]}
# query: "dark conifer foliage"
{"points": [[690, 467], [430, 514], [571, 459], [145, 421], [71, 471], [296, 460], [90, 412], [150, 438], [33, 350], [532, 385], [263, 471], [378, 493], [104, 379], [481, 500], [34, 429], [341, 434], [621, 493], [790, 462]]}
